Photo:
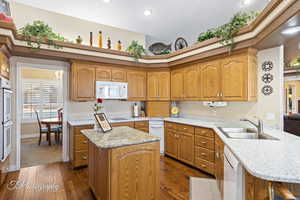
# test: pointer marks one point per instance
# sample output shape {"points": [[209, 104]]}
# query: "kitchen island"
{"points": [[123, 164]]}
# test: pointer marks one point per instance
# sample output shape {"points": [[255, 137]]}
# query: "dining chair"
{"points": [[43, 130]]}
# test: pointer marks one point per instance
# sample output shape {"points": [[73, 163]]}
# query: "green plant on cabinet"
{"points": [[136, 50]]}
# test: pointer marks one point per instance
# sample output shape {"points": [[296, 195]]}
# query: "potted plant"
{"points": [[39, 32], [136, 50]]}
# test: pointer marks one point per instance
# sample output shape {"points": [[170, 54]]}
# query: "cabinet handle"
{"points": [[84, 158], [203, 142], [84, 142], [204, 166], [203, 154], [217, 155], [184, 128]]}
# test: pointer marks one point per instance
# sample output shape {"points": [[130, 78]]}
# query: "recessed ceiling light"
{"points": [[246, 2], [148, 12], [107, 1], [291, 30]]}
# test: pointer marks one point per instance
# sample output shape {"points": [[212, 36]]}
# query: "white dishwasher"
{"points": [[156, 128], [234, 181]]}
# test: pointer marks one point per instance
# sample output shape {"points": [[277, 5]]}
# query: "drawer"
{"points": [[205, 132], [185, 128], [81, 158], [77, 129], [205, 154], [81, 143], [141, 124], [170, 125], [205, 142], [204, 165], [129, 124]]}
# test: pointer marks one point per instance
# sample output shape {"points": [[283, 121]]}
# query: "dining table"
{"points": [[48, 123]]}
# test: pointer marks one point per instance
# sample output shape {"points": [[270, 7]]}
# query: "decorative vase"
{"points": [[79, 40], [100, 39]]}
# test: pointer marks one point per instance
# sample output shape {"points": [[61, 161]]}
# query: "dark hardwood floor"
{"points": [[58, 181]]}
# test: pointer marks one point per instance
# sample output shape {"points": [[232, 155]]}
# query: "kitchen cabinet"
{"points": [[103, 74], [238, 78], [118, 75], [191, 83], [137, 84], [78, 151], [129, 124], [158, 108], [186, 147], [4, 66], [142, 126], [158, 86], [210, 80], [83, 82], [219, 163], [177, 85], [171, 143]]}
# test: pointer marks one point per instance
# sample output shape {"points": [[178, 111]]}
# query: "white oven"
{"points": [[111, 90], [5, 118]]}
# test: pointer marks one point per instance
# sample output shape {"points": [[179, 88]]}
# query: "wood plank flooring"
{"points": [[59, 181]]}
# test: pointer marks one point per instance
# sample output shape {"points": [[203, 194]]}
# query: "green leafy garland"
{"points": [[136, 50], [228, 31], [38, 32]]}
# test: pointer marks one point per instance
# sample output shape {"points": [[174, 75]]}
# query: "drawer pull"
{"points": [[203, 154], [84, 158], [203, 142], [184, 128], [203, 131], [85, 142], [204, 166]]}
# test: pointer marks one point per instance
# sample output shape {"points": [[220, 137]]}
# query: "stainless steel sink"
{"points": [[244, 133]]}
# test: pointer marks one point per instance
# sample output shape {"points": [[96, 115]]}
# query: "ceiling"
{"points": [[170, 18]]}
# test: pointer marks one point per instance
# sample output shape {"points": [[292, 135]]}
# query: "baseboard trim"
{"points": [[30, 136]]}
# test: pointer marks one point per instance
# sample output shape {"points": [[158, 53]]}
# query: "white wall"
{"points": [[268, 108], [71, 27]]}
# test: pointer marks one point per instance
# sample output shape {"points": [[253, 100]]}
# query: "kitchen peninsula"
{"points": [[123, 164]]}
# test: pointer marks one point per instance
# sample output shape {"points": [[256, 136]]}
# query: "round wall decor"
{"points": [[267, 78], [267, 66], [180, 43], [267, 90]]}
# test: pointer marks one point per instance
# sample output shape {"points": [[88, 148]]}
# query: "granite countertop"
{"points": [[92, 121], [118, 137], [273, 160]]}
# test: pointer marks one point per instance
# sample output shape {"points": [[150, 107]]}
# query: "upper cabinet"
{"points": [[158, 86], [4, 66], [119, 75], [82, 82], [103, 74], [210, 80], [137, 82], [239, 78], [191, 83], [177, 84]]}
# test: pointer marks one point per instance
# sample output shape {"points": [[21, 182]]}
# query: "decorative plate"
{"points": [[267, 66], [180, 43], [267, 78], [267, 90]]}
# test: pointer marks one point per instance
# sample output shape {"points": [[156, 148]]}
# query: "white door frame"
{"points": [[42, 64]]}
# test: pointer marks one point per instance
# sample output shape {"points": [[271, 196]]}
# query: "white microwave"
{"points": [[111, 90]]}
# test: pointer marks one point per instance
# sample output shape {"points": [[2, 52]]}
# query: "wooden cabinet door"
{"points": [[164, 85], [153, 85], [191, 83], [4, 66], [234, 79], [177, 88], [83, 83], [103, 74], [118, 75], [210, 80], [219, 163], [137, 81], [171, 143], [186, 147]]}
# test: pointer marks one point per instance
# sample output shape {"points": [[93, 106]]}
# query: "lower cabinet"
{"points": [[79, 143]]}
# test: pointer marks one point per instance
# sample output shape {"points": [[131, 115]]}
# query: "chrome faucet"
{"points": [[259, 126]]}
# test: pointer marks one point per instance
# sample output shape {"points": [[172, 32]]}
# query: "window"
{"points": [[44, 96]]}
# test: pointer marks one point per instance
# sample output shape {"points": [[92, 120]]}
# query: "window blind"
{"points": [[44, 96]]}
